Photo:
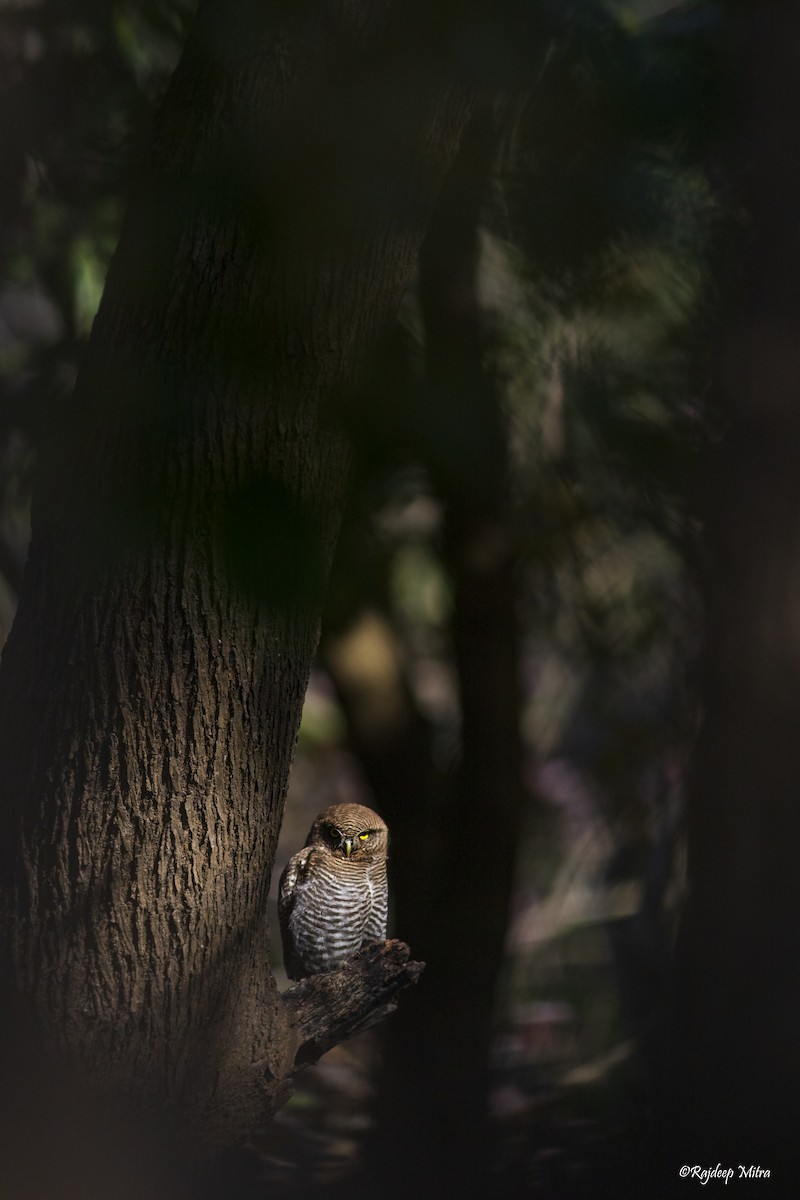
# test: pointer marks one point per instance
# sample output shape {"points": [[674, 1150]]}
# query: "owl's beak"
{"points": [[347, 845]]}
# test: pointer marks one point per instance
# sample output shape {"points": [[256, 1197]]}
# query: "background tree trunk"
{"points": [[464, 851], [739, 984], [152, 684]]}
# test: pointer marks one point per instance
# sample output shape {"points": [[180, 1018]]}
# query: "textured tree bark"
{"points": [[739, 983], [151, 687]]}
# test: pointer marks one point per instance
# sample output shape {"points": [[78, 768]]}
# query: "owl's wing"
{"points": [[294, 873]]}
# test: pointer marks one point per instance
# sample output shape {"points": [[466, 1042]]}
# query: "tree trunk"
{"points": [[152, 684], [739, 984]]}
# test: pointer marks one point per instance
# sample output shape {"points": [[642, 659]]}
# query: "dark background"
{"points": [[570, 546]]}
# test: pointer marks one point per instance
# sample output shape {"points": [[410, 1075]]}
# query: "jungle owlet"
{"points": [[333, 894]]}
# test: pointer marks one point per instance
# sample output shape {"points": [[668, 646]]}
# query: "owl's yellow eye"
{"points": [[363, 837]]}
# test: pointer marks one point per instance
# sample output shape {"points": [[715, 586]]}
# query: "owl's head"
{"points": [[350, 831]]}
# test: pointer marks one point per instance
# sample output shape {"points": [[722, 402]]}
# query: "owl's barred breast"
{"points": [[333, 910]]}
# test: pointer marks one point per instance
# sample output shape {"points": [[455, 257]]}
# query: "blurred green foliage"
{"points": [[595, 275], [80, 81]]}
